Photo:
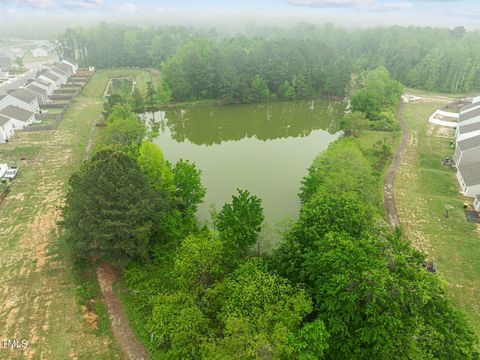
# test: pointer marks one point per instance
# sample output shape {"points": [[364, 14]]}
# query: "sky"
{"points": [[346, 13]]}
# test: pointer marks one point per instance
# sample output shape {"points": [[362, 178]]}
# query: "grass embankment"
{"points": [[424, 191], [40, 291]]}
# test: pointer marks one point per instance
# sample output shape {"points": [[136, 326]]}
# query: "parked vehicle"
{"points": [[11, 173], [3, 170]]}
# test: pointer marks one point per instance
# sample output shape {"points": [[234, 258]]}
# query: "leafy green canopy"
{"points": [[123, 127], [262, 315], [342, 168], [239, 224], [376, 92], [108, 211]]}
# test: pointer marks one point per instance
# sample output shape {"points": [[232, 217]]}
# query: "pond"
{"points": [[265, 148]]}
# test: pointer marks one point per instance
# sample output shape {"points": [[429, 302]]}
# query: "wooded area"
{"points": [[296, 63], [342, 284]]}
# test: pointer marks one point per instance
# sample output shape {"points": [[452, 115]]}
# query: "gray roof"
{"points": [[43, 82], [16, 113], [477, 197], [37, 89], [469, 143], [469, 115], [64, 67], [469, 157], [57, 70], [471, 174], [470, 106], [23, 95], [50, 75], [469, 128], [3, 120]]}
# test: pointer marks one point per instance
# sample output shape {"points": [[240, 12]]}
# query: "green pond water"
{"points": [[264, 148]]}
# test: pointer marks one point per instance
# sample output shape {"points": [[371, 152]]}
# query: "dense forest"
{"points": [[296, 63], [341, 285]]}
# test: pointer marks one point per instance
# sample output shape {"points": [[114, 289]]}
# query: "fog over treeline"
{"points": [[204, 63], [45, 24]]}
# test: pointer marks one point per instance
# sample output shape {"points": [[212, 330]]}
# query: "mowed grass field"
{"points": [[424, 191], [38, 292]]}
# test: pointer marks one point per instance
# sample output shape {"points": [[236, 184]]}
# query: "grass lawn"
{"points": [[53, 110], [142, 76], [41, 293], [424, 191]]}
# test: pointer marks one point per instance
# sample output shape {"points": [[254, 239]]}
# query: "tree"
{"points": [[288, 91], [138, 103], [189, 191], [151, 96], [161, 179], [124, 127], [259, 89], [327, 211], [239, 224], [108, 208], [177, 326], [351, 124], [341, 168], [262, 314], [198, 262]]}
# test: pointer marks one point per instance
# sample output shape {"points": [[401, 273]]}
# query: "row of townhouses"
{"points": [[22, 96], [467, 152]]}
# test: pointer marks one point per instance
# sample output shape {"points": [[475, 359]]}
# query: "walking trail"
{"points": [[388, 193], [106, 276], [121, 330]]}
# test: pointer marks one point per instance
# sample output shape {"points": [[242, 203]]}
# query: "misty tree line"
{"points": [[267, 63]]}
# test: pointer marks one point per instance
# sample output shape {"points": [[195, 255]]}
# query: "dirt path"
{"points": [[38, 300], [388, 193], [120, 328]]}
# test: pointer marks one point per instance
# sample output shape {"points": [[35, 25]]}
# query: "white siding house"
{"points": [[466, 150], [62, 75], [49, 77], [20, 118], [6, 129], [20, 98], [40, 98], [41, 93], [74, 67], [476, 204], [65, 68], [48, 86], [469, 117], [469, 179]]}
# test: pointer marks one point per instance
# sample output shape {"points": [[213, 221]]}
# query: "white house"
{"points": [[74, 67], [49, 77], [22, 99], [39, 91], [20, 118], [6, 129], [49, 87], [39, 52], [466, 150], [469, 179], [469, 117], [40, 97], [470, 107], [62, 75], [476, 204], [67, 69]]}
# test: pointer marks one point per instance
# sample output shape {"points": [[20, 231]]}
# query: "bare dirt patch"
{"points": [[120, 328]]}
